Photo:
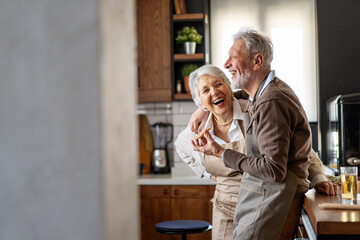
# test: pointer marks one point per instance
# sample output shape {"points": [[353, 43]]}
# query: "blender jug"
{"points": [[162, 134]]}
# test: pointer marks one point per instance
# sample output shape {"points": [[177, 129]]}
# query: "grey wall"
{"points": [[339, 51], [49, 120]]}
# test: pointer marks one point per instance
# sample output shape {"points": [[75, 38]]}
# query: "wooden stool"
{"points": [[183, 227]]}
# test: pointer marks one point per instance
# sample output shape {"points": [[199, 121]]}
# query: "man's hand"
{"points": [[327, 188], [208, 146], [198, 120]]}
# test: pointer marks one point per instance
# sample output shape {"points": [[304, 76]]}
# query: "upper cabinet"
{"points": [[192, 13], [154, 50], [160, 58]]}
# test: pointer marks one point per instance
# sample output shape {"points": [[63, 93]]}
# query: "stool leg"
{"points": [[183, 236]]}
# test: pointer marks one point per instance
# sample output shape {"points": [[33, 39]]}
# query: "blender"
{"points": [[162, 134]]}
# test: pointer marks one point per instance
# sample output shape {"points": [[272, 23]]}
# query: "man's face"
{"points": [[238, 65]]}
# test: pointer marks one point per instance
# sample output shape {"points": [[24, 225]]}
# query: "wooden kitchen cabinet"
{"points": [[154, 50], [160, 59], [174, 202], [155, 207]]}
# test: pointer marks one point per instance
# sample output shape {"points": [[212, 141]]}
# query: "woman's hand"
{"points": [[212, 177], [207, 145], [198, 120], [327, 188]]}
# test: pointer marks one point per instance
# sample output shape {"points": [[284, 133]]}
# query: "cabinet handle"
{"points": [[176, 192], [165, 191]]}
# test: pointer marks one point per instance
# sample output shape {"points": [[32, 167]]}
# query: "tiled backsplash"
{"points": [[177, 113]]}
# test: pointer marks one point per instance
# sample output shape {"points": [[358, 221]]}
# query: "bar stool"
{"points": [[183, 227]]}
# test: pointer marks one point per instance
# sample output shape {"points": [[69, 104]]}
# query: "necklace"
{"points": [[222, 124]]}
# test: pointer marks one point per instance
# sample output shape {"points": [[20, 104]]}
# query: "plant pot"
{"points": [[190, 47], [186, 84]]}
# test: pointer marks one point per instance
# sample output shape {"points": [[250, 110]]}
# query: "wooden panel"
{"points": [[154, 95], [189, 16], [211, 191], [183, 56], [191, 202], [189, 191], [154, 48], [194, 209], [155, 191], [331, 222], [154, 210], [182, 96], [163, 203]]}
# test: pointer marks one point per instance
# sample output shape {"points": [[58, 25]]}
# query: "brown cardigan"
{"points": [[283, 136]]}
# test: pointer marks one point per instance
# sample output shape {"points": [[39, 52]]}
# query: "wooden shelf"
{"points": [[183, 56], [182, 96], [197, 17], [188, 16]]}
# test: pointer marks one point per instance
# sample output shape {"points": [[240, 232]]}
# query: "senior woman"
{"points": [[211, 90]]}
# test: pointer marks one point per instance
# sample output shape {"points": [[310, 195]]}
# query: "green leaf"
{"points": [[188, 34]]}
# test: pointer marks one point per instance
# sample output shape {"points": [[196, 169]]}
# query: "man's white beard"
{"points": [[239, 82]]}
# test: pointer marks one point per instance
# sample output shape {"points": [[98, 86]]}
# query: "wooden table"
{"points": [[329, 224]]}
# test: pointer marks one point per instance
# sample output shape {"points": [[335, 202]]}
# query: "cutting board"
{"points": [[146, 144]]}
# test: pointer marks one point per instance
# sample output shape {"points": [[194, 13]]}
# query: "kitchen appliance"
{"points": [[343, 139], [162, 134]]}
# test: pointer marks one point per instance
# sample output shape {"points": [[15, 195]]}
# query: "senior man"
{"points": [[278, 143]]}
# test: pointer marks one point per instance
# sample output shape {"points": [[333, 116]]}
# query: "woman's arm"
{"points": [[185, 151], [317, 177], [316, 169]]}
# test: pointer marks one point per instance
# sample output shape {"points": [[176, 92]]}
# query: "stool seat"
{"points": [[183, 227]]}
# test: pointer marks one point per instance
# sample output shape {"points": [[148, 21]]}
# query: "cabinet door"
{"points": [[154, 50], [191, 202], [155, 207], [211, 191]]}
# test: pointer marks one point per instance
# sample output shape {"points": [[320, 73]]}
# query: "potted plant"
{"points": [[189, 37], [185, 72]]}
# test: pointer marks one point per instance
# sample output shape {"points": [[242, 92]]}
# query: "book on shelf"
{"points": [[177, 6], [182, 6]]}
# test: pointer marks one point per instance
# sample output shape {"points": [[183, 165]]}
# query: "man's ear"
{"points": [[258, 60]]}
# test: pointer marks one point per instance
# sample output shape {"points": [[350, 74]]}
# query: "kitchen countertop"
{"points": [[180, 175], [171, 179], [329, 223]]}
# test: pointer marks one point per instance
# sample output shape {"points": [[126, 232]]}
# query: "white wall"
{"points": [[291, 26], [52, 145]]}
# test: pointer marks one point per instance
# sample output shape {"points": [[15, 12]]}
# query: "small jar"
{"points": [[178, 86]]}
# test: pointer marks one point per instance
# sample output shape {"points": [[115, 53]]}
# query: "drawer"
{"points": [[189, 191], [154, 191]]}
